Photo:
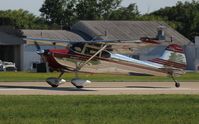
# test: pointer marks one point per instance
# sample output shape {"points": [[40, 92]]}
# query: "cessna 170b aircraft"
{"points": [[101, 56]]}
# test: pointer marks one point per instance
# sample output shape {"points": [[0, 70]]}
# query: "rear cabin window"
{"points": [[90, 51], [105, 54]]}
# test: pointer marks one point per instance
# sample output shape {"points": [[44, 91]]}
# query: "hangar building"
{"points": [[134, 30], [10, 46], [29, 55], [23, 53]]}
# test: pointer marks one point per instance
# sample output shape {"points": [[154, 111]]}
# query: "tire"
{"points": [[177, 85], [54, 86], [79, 87]]}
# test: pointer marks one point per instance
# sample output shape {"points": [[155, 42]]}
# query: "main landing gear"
{"points": [[55, 82], [77, 82]]}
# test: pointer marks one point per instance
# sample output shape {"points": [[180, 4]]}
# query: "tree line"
{"points": [[56, 14], [68, 12]]}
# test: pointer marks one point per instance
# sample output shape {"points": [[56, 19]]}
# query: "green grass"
{"points": [[26, 76], [124, 109]]}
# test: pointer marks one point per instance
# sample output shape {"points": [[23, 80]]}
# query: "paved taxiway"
{"points": [[98, 88]]}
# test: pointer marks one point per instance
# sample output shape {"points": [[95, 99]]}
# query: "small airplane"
{"points": [[101, 56]]}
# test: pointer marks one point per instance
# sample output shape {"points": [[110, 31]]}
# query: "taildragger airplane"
{"points": [[100, 56]]}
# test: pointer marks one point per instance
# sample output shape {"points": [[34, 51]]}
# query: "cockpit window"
{"points": [[78, 47], [91, 49]]}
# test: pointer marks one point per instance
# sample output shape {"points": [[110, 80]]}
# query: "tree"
{"points": [[68, 12], [185, 16], [59, 12], [96, 9], [21, 19], [125, 13]]}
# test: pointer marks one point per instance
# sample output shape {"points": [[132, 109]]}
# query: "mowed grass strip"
{"points": [[34, 77], [123, 109]]}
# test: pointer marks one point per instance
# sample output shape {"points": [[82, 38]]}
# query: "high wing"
{"points": [[78, 41], [118, 45]]}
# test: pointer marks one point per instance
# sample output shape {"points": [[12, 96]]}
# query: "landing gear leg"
{"points": [[177, 84], [55, 82], [62, 72]]}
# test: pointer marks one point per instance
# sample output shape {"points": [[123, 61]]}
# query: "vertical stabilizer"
{"points": [[172, 57]]}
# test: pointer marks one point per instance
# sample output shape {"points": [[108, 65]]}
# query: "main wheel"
{"points": [[79, 87], [53, 82], [80, 83], [54, 86], [177, 85]]}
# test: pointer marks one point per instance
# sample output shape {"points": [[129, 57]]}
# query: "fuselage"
{"points": [[104, 62]]}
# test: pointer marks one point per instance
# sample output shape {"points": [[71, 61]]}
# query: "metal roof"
{"points": [[123, 30], [11, 36], [53, 34], [7, 39], [127, 30]]}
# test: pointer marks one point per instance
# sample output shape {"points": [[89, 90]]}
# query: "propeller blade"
{"points": [[37, 46], [39, 50]]}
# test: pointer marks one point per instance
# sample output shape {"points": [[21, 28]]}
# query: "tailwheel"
{"points": [[177, 85]]}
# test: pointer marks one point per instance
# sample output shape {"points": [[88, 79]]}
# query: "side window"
{"points": [[105, 54], [78, 47], [90, 51]]}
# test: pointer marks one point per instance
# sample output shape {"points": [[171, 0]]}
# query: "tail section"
{"points": [[173, 62], [173, 57]]}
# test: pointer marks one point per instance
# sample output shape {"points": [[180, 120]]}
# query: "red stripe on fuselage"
{"points": [[175, 48], [59, 51], [168, 63]]}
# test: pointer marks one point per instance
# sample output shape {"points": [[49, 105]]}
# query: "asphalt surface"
{"points": [[98, 88]]}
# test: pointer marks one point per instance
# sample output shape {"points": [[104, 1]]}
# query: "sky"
{"points": [[144, 6]]}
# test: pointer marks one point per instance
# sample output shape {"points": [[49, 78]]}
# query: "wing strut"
{"points": [[83, 64]]}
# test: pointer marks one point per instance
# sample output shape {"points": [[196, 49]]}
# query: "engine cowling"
{"points": [[80, 83]]}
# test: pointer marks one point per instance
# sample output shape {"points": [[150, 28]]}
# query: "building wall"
{"points": [[192, 54], [30, 56]]}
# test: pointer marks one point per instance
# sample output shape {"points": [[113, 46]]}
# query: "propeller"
{"points": [[37, 46], [39, 50]]}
